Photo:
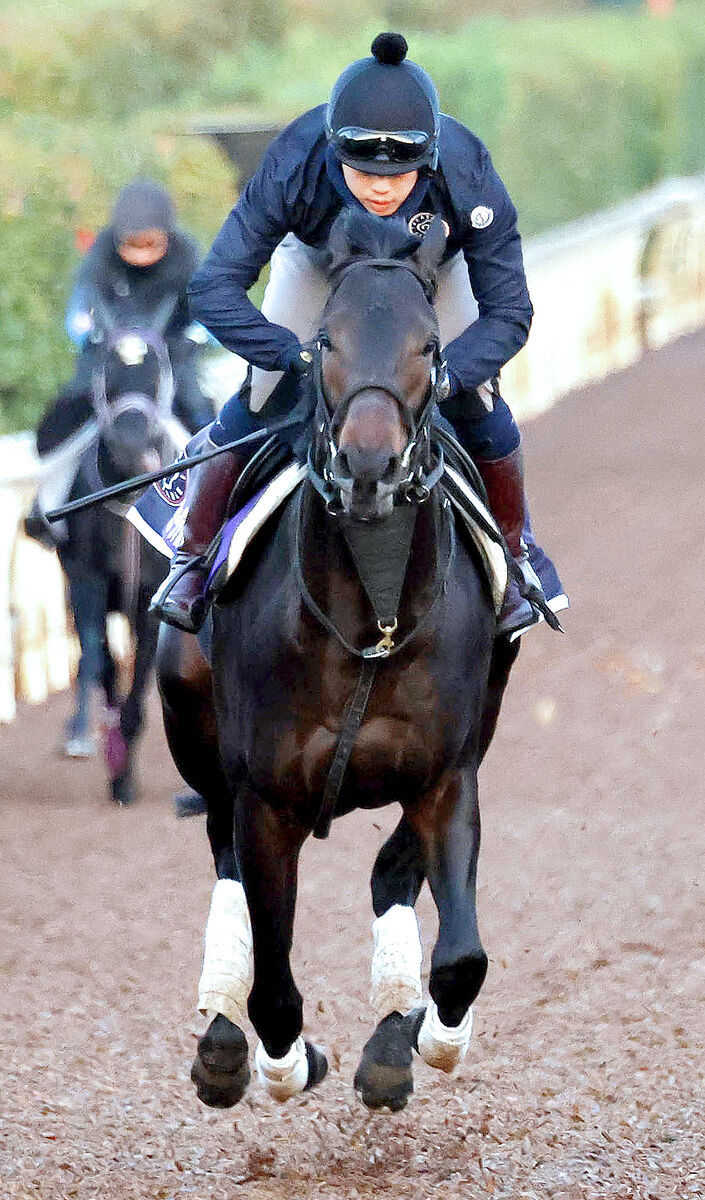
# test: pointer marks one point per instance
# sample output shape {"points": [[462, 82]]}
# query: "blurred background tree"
{"points": [[581, 104]]}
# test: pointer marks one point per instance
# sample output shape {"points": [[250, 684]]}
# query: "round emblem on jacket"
{"points": [[419, 223], [481, 217], [173, 488]]}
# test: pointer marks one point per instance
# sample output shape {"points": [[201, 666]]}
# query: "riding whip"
{"points": [[181, 464]]}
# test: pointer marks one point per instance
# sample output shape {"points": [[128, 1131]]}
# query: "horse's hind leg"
{"points": [[448, 825], [384, 1077], [269, 843], [220, 1069]]}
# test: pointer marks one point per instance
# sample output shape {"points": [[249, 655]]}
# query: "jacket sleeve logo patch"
{"points": [[419, 223], [481, 217]]}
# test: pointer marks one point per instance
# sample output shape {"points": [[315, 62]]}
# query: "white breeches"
{"points": [[297, 291]]}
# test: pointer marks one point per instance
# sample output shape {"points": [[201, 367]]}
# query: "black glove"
{"points": [[298, 360]]}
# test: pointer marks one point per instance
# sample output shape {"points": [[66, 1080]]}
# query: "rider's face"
{"points": [[380, 194], [145, 248]]}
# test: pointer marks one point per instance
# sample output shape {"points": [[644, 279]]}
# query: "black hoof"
{"points": [[384, 1078], [122, 790], [317, 1066], [220, 1069], [189, 804]]}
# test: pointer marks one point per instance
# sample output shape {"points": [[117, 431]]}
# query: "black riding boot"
{"points": [[181, 599], [504, 481]]}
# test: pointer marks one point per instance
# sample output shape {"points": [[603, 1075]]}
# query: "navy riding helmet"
{"points": [[383, 114]]}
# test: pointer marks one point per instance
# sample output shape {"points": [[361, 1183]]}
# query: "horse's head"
{"points": [[379, 370], [132, 394]]}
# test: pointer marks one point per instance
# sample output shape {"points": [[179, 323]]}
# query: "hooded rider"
{"points": [[136, 271], [380, 144]]}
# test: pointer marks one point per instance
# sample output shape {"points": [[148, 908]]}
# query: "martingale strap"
{"points": [[352, 720]]}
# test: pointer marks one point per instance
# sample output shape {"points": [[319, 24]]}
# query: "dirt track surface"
{"points": [[585, 1077]]}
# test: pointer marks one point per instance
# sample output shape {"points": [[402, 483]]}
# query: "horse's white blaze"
{"points": [[444, 1046], [228, 969], [396, 962], [283, 1077]]}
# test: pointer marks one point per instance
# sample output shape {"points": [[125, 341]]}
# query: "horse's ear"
{"points": [[430, 252], [339, 245]]}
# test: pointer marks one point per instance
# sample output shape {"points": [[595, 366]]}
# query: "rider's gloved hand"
{"points": [[298, 360]]}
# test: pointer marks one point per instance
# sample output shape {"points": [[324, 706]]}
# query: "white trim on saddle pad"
{"points": [[273, 495], [491, 552], [283, 484]]}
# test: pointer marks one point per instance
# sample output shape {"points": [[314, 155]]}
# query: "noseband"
{"points": [[417, 473]]}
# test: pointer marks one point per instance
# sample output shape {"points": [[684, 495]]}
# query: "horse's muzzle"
{"points": [[367, 482]]}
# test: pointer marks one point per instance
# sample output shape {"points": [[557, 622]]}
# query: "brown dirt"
{"points": [[585, 1078]]}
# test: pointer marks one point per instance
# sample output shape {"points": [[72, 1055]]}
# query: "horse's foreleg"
{"points": [[268, 852], [448, 825], [146, 629], [384, 1077], [220, 1069]]}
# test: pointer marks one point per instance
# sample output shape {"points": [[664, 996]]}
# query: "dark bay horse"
{"points": [[322, 700], [107, 565]]}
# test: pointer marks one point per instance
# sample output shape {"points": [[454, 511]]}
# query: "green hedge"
{"points": [[580, 111]]}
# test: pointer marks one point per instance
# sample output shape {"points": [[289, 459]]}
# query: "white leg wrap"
{"points": [[442, 1046], [228, 970], [396, 962], [283, 1077]]}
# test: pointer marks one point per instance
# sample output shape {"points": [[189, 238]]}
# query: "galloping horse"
{"points": [[321, 701], [108, 566]]}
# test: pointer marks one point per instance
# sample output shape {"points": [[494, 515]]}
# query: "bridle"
{"points": [[417, 472], [156, 410]]}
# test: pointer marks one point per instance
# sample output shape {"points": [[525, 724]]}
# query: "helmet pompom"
{"points": [[389, 49]]}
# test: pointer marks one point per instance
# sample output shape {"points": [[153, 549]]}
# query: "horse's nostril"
{"points": [[342, 464]]}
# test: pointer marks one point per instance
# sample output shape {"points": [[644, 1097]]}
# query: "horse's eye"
{"points": [[430, 347], [324, 341]]}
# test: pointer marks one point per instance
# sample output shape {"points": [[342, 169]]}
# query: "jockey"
{"points": [[135, 273], [380, 143]]}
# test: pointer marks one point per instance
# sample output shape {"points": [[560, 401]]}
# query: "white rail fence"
{"points": [[603, 288]]}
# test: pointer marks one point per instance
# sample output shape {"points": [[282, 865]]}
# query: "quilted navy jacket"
{"points": [[299, 188]]}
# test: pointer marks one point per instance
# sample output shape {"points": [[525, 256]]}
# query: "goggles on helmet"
{"points": [[376, 145]]}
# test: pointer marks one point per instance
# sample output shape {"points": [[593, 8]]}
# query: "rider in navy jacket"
{"points": [[382, 123], [300, 188]]}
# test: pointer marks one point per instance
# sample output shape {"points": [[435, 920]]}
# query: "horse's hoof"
{"points": [[189, 804], [122, 791], [384, 1077], [80, 746], [220, 1069], [317, 1066]]}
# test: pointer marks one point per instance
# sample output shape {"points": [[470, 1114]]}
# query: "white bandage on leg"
{"points": [[444, 1046], [283, 1077], [228, 971], [396, 962]]}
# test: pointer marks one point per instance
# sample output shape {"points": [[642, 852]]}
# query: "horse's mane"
{"points": [[357, 235]]}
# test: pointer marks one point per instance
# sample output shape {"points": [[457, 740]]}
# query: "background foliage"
{"points": [[581, 107]]}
